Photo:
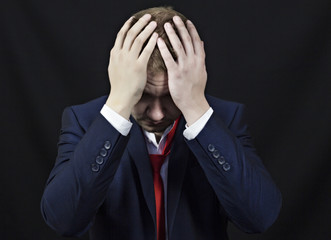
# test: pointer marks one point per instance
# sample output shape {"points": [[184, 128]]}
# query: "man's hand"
{"points": [[128, 67], [187, 77]]}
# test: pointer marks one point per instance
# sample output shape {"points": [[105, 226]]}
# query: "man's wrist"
{"points": [[120, 106], [193, 130], [117, 121], [194, 110]]}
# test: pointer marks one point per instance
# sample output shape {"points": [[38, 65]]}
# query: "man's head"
{"points": [[160, 15], [156, 110]]}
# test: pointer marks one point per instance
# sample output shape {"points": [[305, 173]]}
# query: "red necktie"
{"points": [[157, 161]]}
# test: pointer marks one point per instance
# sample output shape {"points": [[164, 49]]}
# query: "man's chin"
{"points": [[154, 129], [160, 128]]}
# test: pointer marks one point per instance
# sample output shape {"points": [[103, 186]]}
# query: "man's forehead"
{"points": [[157, 84], [159, 75]]}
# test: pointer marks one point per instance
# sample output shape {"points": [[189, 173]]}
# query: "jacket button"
{"points": [[226, 167], [95, 167], [103, 152], [99, 160], [107, 145], [221, 160], [211, 148], [216, 154]]}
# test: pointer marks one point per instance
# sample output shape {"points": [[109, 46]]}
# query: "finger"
{"points": [[175, 41], [197, 43], [166, 55], [150, 46], [122, 33], [184, 35], [135, 30], [141, 38]]}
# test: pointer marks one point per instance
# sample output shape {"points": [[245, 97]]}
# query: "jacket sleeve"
{"points": [[242, 185], [84, 168]]}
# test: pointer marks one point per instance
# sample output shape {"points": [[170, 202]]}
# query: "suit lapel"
{"points": [[138, 152], [176, 172]]}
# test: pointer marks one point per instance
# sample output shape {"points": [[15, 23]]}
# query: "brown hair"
{"points": [[160, 15]]}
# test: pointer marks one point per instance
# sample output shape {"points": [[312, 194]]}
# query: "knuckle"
{"points": [[120, 57], [168, 58], [162, 47], [187, 39], [180, 46], [185, 70], [112, 51], [147, 50], [197, 39], [178, 75], [139, 40], [189, 26], [201, 58], [129, 34], [120, 34]]}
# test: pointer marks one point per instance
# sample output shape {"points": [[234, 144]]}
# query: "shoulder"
{"points": [[224, 109], [86, 113], [93, 105], [222, 104]]}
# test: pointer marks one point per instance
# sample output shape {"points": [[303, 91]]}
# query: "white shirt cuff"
{"points": [[117, 121], [192, 131]]}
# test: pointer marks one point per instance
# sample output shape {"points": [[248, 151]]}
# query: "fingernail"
{"points": [[177, 19], [189, 22], [152, 24], [167, 25], [154, 35], [147, 16]]}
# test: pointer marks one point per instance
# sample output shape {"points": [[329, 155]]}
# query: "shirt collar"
{"points": [[152, 139]]}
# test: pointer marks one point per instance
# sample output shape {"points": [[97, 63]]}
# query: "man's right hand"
{"points": [[128, 67]]}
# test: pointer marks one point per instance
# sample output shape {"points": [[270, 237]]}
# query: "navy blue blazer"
{"points": [[102, 181]]}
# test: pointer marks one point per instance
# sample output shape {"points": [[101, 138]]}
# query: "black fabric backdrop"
{"points": [[274, 56]]}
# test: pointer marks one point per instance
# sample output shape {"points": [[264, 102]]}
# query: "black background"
{"points": [[274, 56]]}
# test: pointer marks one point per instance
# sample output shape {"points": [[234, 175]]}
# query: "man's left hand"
{"points": [[187, 76]]}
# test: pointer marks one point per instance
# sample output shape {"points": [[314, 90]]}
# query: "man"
{"points": [[180, 167]]}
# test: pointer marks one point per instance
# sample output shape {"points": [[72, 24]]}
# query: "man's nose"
{"points": [[155, 111]]}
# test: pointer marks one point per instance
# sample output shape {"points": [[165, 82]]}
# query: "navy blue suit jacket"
{"points": [[215, 178]]}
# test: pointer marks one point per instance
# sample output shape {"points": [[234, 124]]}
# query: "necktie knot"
{"points": [[157, 161]]}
